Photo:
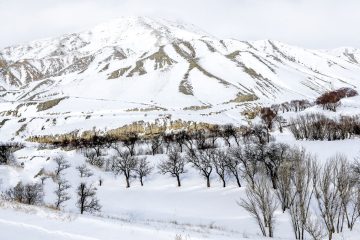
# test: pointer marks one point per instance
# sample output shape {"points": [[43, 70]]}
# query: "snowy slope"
{"points": [[140, 68], [158, 210]]}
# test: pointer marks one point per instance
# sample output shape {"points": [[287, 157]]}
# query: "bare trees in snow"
{"points": [[142, 169], [61, 164], [87, 201], [31, 193], [84, 171], [261, 204], [94, 156], [174, 165], [62, 185], [220, 163], [337, 194], [7, 152], [202, 161], [124, 163]]}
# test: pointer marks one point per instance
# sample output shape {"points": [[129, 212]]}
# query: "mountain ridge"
{"points": [[159, 68]]}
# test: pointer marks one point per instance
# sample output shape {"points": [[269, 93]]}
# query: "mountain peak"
{"points": [[136, 33], [137, 64]]}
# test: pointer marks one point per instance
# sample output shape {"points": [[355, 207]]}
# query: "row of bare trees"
{"points": [[33, 193], [128, 165], [316, 197], [316, 126], [158, 143], [329, 100], [292, 106]]}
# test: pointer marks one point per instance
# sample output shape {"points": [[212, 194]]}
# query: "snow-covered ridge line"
{"points": [[152, 68]]}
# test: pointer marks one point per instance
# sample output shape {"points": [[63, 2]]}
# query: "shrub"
{"points": [[331, 100], [31, 194]]}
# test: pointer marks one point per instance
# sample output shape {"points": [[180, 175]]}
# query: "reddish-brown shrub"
{"points": [[331, 100]]}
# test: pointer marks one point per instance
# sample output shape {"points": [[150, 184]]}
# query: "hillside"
{"points": [[128, 69]]}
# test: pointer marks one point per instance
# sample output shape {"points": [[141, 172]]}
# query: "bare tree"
{"points": [[7, 152], [93, 157], [267, 116], [301, 194], [276, 154], [180, 139], [233, 163], [261, 134], [355, 169], [203, 161], [62, 185], [201, 140], [167, 139], [214, 134], [227, 132], [97, 144], [280, 121], [220, 163], [143, 169], [130, 141], [84, 171], [349, 193], [31, 194], [247, 159], [61, 164], [284, 187], [87, 201], [327, 195], [124, 163], [155, 144], [174, 164], [315, 229], [261, 204], [15, 194]]}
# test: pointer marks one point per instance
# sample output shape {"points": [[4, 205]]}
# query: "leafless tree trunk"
{"points": [[327, 194], [155, 143], [124, 163], [130, 142], [261, 203], [84, 171], [143, 169], [302, 193], [284, 188], [233, 163], [93, 157], [275, 155], [61, 164], [246, 157], [87, 201], [62, 185], [348, 192], [315, 229], [174, 165], [203, 161], [220, 164]]}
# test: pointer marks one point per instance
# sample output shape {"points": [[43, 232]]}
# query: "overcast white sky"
{"points": [[307, 23]]}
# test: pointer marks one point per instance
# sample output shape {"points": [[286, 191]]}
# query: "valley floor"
{"points": [[159, 210]]}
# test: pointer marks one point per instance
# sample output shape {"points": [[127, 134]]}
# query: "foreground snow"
{"points": [[159, 210]]}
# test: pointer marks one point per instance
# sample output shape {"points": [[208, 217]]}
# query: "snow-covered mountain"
{"points": [[140, 68]]}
